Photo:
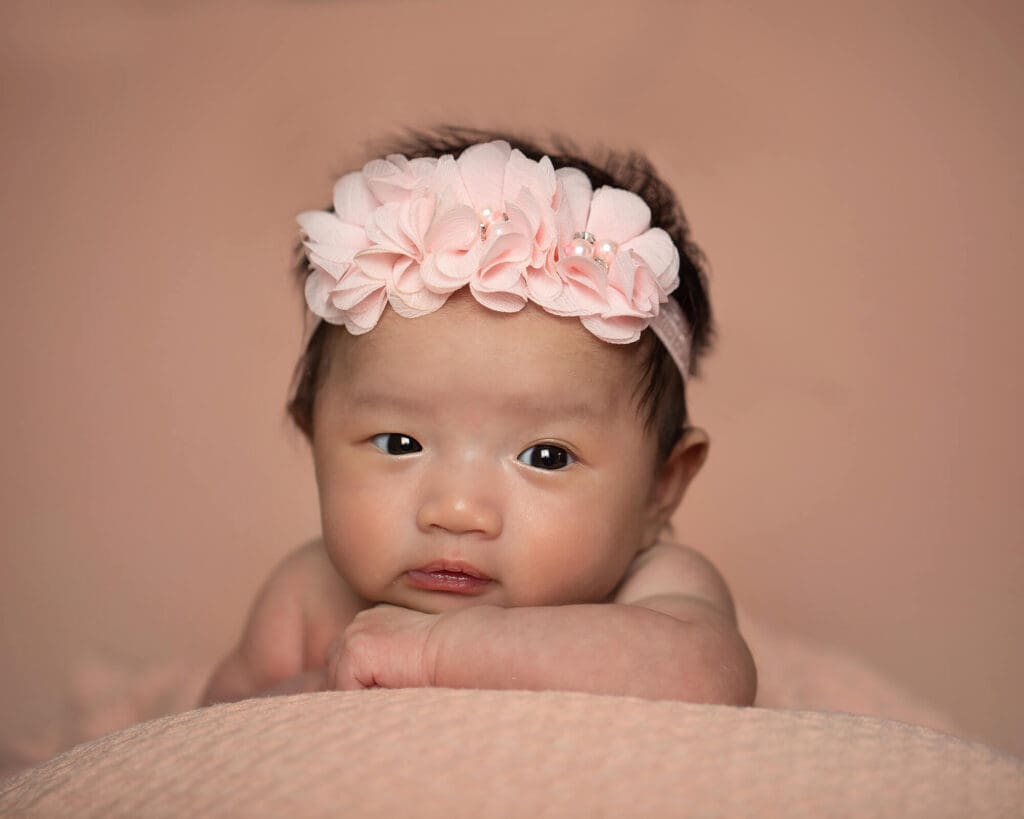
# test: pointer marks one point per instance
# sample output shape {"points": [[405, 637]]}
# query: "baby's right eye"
{"points": [[395, 443], [546, 456]]}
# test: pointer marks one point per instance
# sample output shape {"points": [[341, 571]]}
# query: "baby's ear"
{"points": [[682, 464]]}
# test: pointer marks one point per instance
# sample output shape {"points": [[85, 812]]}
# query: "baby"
{"points": [[494, 396]]}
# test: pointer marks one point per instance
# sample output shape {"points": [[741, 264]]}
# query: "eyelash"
{"points": [[399, 444]]}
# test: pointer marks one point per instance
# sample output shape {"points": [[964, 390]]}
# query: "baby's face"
{"points": [[469, 457]]}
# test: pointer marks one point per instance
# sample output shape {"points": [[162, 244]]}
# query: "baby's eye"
{"points": [[395, 443], [546, 456]]}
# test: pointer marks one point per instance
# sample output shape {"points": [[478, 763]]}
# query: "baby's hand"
{"points": [[385, 646]]}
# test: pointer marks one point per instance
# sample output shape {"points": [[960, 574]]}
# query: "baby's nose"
{"points": [[459, 511]]}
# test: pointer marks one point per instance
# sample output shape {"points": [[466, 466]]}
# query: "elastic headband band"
{"points": [[410, 232]]}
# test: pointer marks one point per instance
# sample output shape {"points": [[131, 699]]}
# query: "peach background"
{"points": [[853, 174]]}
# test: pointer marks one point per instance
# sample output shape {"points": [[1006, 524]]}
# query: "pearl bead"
{"points": [[489, 218], [578, 248], [605, 251]]}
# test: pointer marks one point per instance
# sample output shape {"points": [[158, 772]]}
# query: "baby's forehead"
{"points": [[467, 347]]}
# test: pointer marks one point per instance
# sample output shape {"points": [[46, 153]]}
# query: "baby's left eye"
{"points": [[395, 443], [546, 456]]}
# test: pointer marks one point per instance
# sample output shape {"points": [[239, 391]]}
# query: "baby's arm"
{"points": [[296, 614], [670, 634]]}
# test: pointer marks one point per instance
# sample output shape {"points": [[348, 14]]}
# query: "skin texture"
{"points": [[575, 593]]}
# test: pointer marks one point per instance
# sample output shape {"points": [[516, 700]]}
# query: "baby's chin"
{"points": [[432, 602], [438, 602]]}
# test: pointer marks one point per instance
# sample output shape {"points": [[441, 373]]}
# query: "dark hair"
{"points": [[663, 396]]}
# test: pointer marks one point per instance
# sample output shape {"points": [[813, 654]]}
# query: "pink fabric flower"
{"points": [[410, 232], [617, 293]]}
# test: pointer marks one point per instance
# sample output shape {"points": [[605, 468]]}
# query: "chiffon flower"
{"points": [[410, 232], [617, 269]]}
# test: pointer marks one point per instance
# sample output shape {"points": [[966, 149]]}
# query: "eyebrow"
{"points": [[529, 404]]}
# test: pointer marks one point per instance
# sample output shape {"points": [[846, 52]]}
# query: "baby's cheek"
{"points": [[356, 546], [577, 571]]}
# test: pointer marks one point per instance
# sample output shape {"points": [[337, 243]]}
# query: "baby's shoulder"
{"points": [[298, 571], [669, 556], [305, 583], [312, 577], [674, 568], [324, 600], [308, 560]]}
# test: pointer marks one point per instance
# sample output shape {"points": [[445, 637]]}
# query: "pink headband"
{"points": [[410, 232]]}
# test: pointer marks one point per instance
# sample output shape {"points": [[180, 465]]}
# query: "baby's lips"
{"points": [[453, 567]]}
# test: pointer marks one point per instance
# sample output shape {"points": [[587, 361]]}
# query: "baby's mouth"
{"points": [[454, 577]]}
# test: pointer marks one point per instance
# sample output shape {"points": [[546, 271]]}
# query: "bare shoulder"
{"points": [[307, 568], [297, 612], [296, 580], [680, 582], [672, 569], [308, 579], [328, 602]]}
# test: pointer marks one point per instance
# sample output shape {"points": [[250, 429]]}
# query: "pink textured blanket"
{"points": [[441, 752], [428, 752]]}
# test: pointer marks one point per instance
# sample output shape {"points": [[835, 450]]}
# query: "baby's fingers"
{"points": [[342, 669]]}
